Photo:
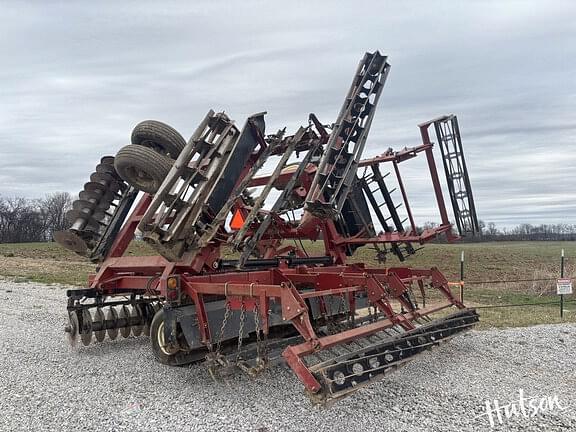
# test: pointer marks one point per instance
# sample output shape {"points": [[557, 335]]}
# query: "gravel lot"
{"points": [[117, 385]]}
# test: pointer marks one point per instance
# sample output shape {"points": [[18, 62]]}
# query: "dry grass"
{"points": [[49, 263]]}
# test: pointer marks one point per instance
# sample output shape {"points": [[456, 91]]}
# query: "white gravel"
{"points": [[116, 386]]}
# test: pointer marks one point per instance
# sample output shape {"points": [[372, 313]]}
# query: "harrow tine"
{"points": [[347, 372]]}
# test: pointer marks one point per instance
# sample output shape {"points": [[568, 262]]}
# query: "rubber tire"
{"points": [[179, 358], [134, 158], [159, 137]]}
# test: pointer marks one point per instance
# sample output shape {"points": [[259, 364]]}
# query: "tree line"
{"points": [[521, 232], [24, 220], [526, 231]]}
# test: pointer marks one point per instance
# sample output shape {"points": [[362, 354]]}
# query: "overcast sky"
{"points": [[77, 76]]}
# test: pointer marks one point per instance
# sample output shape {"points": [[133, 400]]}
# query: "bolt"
{"points": [[68, 328]]}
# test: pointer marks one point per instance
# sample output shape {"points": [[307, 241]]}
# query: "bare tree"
{"points": [[54, 208], [21, 220], [491, 229]]}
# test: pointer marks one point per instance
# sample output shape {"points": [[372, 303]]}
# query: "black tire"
{"points": [[142, 167], [167, 355], [159, 137]]}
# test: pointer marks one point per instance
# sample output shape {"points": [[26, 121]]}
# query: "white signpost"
{"points": [[564, 286]]}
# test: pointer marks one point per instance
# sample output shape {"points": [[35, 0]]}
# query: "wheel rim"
{"points": [[165, 348], [140, 177], [155, 146]]}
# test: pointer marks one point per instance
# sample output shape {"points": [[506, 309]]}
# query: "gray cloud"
{"points": [[77, 76]]}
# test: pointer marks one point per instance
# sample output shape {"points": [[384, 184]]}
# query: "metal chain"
{"points": [[330, 324], [222, 327], [342, 309], [241, 329], [342, 306], [215, 360], [349, 313], [261, 352]]}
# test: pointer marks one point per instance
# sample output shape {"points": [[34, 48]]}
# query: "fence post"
{"points": [[562, 276], [462, 277]]}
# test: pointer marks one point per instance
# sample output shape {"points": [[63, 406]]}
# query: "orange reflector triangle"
{"points": [[237, 221]]}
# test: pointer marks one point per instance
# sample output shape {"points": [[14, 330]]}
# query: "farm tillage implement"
{"points": [[237, 277]]}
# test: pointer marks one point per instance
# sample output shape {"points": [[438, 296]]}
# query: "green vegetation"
{"points": [[499, 261], [51, 263]]}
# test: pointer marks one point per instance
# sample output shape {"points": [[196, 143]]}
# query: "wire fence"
{"points": [[562, 284], [554, 303]]}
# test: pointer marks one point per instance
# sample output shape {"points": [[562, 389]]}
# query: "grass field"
{"points": [[495, 262]]}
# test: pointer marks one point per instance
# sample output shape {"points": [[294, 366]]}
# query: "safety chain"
{"points": [[223, 326], [330, 324], [261, 348], [349, 314], [241, 330], [214, 359]]}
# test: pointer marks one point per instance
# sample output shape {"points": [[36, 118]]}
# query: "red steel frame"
{"points": [[201, 281]]}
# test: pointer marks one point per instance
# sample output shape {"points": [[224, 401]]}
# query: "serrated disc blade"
{"points": [[124, 315], [112, 315], [72, 330], [71, 241], [107, 160], [73, 215], [106, 168], [136, 314], [99, 318], [103, 200], [83, 205], [86, 333]]}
